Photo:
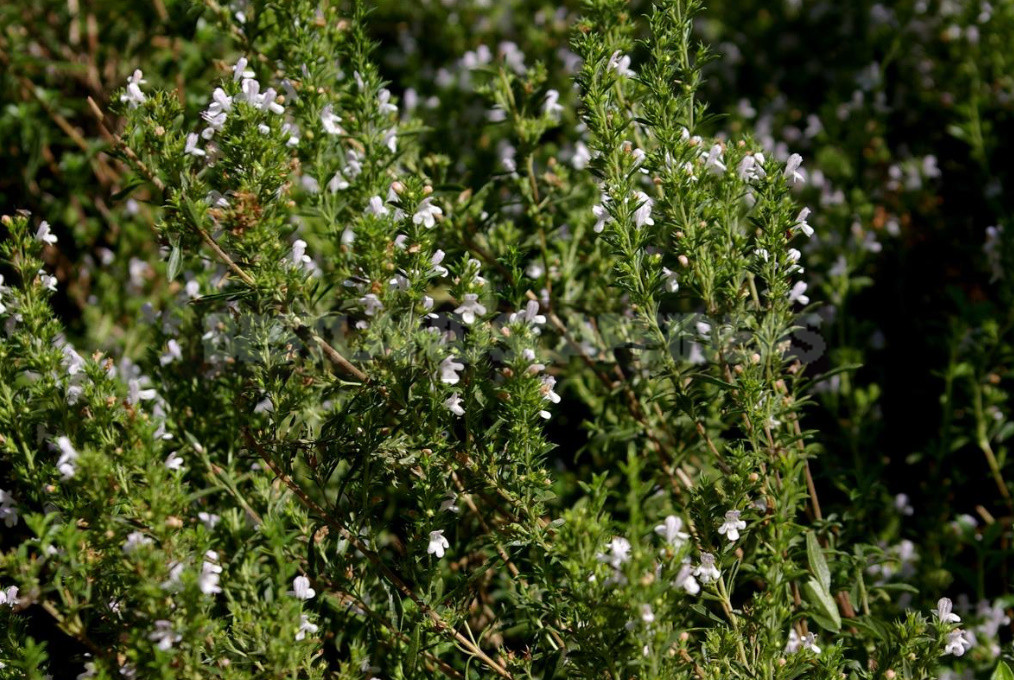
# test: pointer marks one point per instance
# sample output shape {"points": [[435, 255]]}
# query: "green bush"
{"points": [[612, 339]]}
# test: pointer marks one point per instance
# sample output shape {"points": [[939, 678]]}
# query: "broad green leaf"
{"points": [[825, 611]]}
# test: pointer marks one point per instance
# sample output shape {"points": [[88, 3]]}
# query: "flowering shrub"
{"points": [[519, 340]]}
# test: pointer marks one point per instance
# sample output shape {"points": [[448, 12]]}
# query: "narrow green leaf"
{"points": [[1002, 672], [818, 565]]}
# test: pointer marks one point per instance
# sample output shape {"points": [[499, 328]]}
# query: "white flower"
{"points": [[175, 581], [173, 353], [671, 530], [135, 540], [305, 627], [453, 404], [301, 589], [377, 207], [581, 157], [209, 519], [801, 223], [620, 63], [642, 215], [601, 217], [469, 308], [48, 282], [672, 283], [449, 369], [163, 636], [329, 119], [298, 256], [685, 579], [390, 140], [67, 463], [426, 214], [44, 234], [438, 544], [371, 303], [9, 597], [337, 183], [792, 173], [191, 148], [240, 71], [732, 526], [957, 643], [437, 268], [551, 107], [133, 96], [944, 611], [713, 161], [174, 461], [798, 293], [647, 614], [451, 503], [706, 571], [751, 168], [810, 643], [208, 580], [529, 315], [795, 643], [619, 552]]}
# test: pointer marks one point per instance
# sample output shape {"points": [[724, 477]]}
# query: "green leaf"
{"points": [[818, 565], [825, 611], [175, 258], [1002, 672]]}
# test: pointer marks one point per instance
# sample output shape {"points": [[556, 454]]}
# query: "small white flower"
{"points": [[209, 519], [620, 63], [642, 215], [706, 571], [453, 404], [426, 214], [801, 223], [713, 160], [163, 635], [551, 106], [67, 463], [795, 643], [619, 552], [451, 503], [449, 369], [9, 597], [44, 234], [8, 510], [240, 71], [945, 612], [685, 580], [337, 183], [798, 293], [437, 268], [581, 157], [305, 627], [174, 461], [647, 614], [751, 168], [329, 119], [135, 540], [438, 544], [173, 353], [301, 589], [672, 283], [377, 207], [191, 148], [732, 526], [792, 172], [601, 217], [810, 643], [957, 643], [371, 303], [133, 96], [671, 530], [470, 308], [298, 256], [529, 315], [210, 571]]}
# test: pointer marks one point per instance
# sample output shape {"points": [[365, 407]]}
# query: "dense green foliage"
{"points": [[459, 338]]}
